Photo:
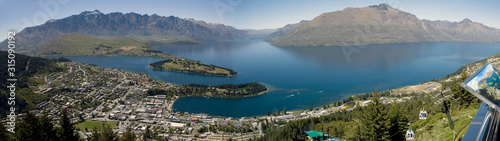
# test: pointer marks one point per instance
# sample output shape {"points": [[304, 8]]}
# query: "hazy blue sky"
{"points": [[243, 14]]}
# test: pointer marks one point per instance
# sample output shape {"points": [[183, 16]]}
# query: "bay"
{"points": [[303, 77]]}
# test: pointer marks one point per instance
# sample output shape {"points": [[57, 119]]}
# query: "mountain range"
{"points": [[467, 30], [280, 32], [378, 24], [130, 25]]}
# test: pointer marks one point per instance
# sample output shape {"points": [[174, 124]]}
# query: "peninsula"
{"points": [[189, 66], [76, 44]]}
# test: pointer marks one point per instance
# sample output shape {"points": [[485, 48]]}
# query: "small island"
{"points": [[223, 91], [189, 66]]}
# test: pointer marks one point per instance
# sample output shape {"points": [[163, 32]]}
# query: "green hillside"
{"points": [[189, 66], [26, 67]]}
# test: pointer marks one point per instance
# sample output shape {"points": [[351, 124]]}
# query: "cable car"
{"points": [[410, 134]]}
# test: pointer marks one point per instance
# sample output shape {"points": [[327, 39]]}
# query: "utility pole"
{"points": [[446, 110]]}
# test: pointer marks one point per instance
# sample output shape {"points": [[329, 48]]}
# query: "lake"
{"points": [[300, 78]]}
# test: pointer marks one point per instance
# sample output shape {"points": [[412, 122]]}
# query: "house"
{"points": [[201, 116], [123, 118], [208, 121], [100, 115], [161, 96], [284, 117], [365, 103], [100, 119]]}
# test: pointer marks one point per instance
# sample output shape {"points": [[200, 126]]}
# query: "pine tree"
{"points": [[466, 97], [146, 135], [28, 129], [107, 134], [3, 132], [67, 132], [95, 136], [375, 121], [398, 121], [48, 132], [129, 135]]}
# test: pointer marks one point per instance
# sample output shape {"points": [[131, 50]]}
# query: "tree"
{"points": [[81, 119], [67, 132], [129, 135], [3, 132], [466, 97], [28, 128], [95, 136], [107, 134], [48, 132], [399, 120], [284, 111], [268, 113], [375, 120], [146, 135]]}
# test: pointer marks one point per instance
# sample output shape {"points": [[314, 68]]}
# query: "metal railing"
{"points": [[484, 126]]}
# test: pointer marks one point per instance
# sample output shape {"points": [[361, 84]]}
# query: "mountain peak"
{"points": [[95, 12], [466, 20], [383, 6]]}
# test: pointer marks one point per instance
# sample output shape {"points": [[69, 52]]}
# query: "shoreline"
{"points": [[159, 55], [192, 72], [171, 104], [263, 92], [333, 102]]}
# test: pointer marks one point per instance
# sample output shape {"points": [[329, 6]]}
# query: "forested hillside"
{"points": [[25, 68]]}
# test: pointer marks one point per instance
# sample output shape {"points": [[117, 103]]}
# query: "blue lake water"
{"points": [[300, 78]]}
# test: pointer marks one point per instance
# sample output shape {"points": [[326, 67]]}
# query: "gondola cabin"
{"points": [[410, 134], [422, 115]]}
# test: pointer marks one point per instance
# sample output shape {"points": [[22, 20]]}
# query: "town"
{"points": [[93, 96]]}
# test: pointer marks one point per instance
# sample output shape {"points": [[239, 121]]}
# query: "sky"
{"points": [[241, 14], [474, 83]]}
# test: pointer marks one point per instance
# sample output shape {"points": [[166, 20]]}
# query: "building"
{"points": [[175, 124], [317, 136], [285, 117], [365, 103]]}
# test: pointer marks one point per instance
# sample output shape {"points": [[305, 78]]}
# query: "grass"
{"points": [[435, 128], [94, 124]]}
